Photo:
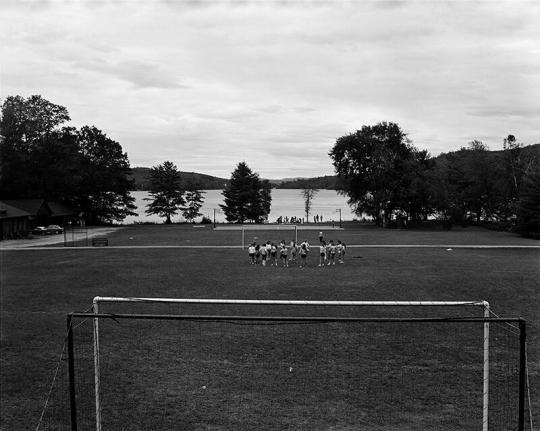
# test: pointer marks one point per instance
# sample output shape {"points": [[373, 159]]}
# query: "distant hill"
{"points": [[528, 151], [328, 182], [284, 180], [141, 176]]}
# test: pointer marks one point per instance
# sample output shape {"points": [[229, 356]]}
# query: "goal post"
{"points": [[482, 305], [429, 325]]}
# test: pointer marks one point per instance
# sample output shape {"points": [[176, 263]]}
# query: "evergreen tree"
{"points": [[194, 200], [246, 197], [266, 198], [165, 191]]}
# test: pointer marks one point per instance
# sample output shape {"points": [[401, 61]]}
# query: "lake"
{"points": [[285, 202]]}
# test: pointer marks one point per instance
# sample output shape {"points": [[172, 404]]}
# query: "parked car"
{"points": [[54, 229], [39, 230]]}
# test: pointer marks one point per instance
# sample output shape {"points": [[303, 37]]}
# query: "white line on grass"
{"points": [[446, 246]]}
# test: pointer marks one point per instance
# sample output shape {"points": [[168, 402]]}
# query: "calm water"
{"points": [[285, 202]]}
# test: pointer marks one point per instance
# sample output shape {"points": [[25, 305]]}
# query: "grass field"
{"points": [[38, 287]]}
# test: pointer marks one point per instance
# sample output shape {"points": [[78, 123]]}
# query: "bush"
{"points": [[206, 220]]}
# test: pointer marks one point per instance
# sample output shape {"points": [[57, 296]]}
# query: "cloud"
{"points": [[209, 83], [139, 73], [506, 111]]}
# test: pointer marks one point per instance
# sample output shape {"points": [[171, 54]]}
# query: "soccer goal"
{"points": [[146, 363], [250, 232]]}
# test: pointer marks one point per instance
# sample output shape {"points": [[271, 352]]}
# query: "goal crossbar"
{"points": [[310, 319], [99, 299]]}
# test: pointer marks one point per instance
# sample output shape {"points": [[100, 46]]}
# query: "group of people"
{"points": [[300, 220], [269, 253]]}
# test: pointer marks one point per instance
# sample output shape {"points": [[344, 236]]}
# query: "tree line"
{"points": [[385, 176], [246, 198], [378, 169], [42, 157], [141, 180]]}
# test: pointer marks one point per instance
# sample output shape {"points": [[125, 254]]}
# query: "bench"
{"points": [[100, 241]]}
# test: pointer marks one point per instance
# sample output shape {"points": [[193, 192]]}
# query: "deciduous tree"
{"points": [[529, 203], [308, 194], [29, 129], [370, 165], [104, 189], [42, 158]]}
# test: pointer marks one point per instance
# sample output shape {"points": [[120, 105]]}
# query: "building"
{"points": [[19, 216], [14, 222]]}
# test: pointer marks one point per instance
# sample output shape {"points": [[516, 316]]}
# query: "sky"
{"points": [[207, 84]]}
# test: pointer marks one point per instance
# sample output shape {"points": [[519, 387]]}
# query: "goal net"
{"points": [[151, 365]]}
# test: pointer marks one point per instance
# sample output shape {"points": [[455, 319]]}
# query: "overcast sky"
{"points": [[208, 84]]}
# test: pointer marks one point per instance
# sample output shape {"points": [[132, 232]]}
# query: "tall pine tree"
{"points": [[193, 200], [165, 191], [246, 197]]}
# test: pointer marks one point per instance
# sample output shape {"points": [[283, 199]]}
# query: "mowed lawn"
{"points": [[38, 287]]}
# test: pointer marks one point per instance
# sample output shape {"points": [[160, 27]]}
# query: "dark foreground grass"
{"points": [[39, 287]]}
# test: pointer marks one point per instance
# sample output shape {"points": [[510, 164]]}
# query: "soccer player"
{"points": [[343, 248], [332, 253], [303, 254], [283, 252], [294, 251], [340, 249], [322, 254], [251, 252], [273, 254], [264, 255]]}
